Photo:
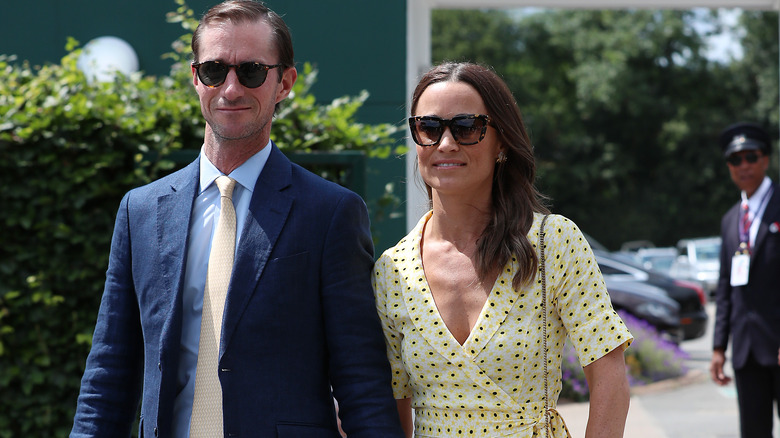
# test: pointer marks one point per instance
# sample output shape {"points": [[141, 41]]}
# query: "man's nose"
{"points": [[233, 86]]}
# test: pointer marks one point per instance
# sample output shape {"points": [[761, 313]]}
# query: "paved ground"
{"points": [[690, 407], [695, 409]]}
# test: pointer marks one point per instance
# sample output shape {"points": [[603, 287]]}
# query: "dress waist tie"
{"points": [[528, 423]]}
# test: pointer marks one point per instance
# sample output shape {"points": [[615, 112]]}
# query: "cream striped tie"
{"points": [[206, 420]]}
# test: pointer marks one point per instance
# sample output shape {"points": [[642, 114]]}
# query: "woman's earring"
{"points": [[501, 157]]}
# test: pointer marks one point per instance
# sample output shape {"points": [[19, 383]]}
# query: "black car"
{"points": [[689, 296], [649, 303]]}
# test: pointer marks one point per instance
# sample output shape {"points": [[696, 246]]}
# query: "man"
{"points": [[748, 293], [255, 353]]}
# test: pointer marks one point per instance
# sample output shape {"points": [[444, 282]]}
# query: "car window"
{"points": [[619, 269], [660, 262], [708, 252]]}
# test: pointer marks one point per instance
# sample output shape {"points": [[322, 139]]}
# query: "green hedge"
{"points": [[69, 150]]}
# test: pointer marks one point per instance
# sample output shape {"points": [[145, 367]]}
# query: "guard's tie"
{"points": [[744, 227], [206, 420]]}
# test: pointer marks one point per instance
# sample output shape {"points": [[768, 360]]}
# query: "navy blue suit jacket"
{"points": [[299, 317], [750, 314]]}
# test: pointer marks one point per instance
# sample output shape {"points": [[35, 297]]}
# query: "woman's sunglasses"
{"points": [[466, 129], [736, 160], [250, 74]]}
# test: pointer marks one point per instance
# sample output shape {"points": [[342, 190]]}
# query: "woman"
{"points": [[460, 296]]}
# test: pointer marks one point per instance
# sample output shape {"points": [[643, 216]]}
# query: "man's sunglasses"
{"points": [[465, 129], [736, 160], [250, 74]]}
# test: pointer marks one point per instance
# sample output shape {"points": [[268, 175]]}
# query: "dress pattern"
{"points": [[493, 384]]}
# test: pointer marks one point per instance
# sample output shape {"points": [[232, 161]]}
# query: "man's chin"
{"points": [[235, 134]]}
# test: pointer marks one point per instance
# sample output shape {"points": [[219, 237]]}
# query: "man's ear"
{"points": [[289, 77]]}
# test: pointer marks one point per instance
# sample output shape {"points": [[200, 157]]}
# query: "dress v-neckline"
{"points": [[497, 306], [487, 304]]}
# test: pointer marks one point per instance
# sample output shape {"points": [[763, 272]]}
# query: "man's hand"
{"points": [[716, 367]]}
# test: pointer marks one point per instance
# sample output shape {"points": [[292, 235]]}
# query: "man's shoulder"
{"points": [[282, 172], [733, 210], [147, 195], [172, 181], [775, 198], [308, 182]]}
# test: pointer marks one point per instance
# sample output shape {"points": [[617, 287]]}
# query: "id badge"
{"points": [[740, 267]]}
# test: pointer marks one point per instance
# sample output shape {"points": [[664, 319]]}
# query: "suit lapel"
{"points": [[771, 213], [268, 211], [172, 233], [731, 237]]}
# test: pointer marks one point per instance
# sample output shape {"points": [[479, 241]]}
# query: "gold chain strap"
{"points": [[544, 327]]}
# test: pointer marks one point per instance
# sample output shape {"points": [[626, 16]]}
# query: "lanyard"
{"points": [[745, 222]]}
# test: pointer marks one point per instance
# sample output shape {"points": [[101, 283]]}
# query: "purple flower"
{"points": [[650, 358]]}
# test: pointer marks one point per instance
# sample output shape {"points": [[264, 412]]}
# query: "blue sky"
{"points": [[725, 46]]}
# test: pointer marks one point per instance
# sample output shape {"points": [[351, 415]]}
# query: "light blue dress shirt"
{"points": [[205, 212], [756, 205]]}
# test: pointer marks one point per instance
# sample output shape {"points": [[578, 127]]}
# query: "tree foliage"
{"points": [[624, 109]]}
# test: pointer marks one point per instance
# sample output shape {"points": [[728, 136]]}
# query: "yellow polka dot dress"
{"points": [[493, 384]]}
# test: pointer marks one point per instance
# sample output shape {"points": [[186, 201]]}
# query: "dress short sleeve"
{"points": [[388, 310], [579, 292]]}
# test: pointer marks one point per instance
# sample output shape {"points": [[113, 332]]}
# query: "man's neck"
{"points": [[758, 190], [227, 155]]}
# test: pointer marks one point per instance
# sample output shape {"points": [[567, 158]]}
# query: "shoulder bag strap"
{"points": [[544, 326]]}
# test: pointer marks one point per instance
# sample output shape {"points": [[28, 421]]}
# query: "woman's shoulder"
{"points": [[559, 230], [552, 218], [404, 247], [557, 222]]}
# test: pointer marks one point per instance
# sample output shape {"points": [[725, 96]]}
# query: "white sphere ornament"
{"points": [[102, 57]]}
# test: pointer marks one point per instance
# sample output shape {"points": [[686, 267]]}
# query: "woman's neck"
{"points": [[456, 221]]}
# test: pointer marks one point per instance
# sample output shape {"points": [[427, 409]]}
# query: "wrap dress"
{"points": [[493, 385]]}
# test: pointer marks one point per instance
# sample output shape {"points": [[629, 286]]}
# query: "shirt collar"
{"points": [[754, 202], [246, 174]]}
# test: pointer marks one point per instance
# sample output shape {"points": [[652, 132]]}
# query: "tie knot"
{"points": [[225, 184]]}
